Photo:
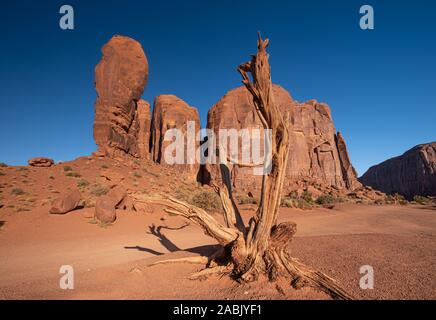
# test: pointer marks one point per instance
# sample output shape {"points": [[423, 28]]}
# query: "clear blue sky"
{"points": [[380, 84]]}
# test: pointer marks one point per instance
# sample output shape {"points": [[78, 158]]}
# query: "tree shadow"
{"points": [[204, 250]]}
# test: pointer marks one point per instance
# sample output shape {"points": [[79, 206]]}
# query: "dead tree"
{"points": [[261, 248]]}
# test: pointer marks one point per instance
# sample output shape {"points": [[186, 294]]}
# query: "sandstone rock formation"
{"points": [[123, 125], [172, 112], [120, 79], [40, 162], [105, 210], [413, 173], [318, 156], [66, 203]]}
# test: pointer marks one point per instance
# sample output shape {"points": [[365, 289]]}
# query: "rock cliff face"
{"points": [[120, 79], [171, 112], [413, 173], [123, 126], [318, 156]]}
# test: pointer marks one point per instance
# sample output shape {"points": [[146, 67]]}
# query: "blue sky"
{"points": [[380, 84]]}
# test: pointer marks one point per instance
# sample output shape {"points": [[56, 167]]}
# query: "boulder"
{"points": [[120, 79], [171, 112], [413, 173], [40, 162], [116, 195], [105, 210], [66, 203]]}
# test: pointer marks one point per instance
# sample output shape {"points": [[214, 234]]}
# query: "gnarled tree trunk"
{"points": [[260, 248]]}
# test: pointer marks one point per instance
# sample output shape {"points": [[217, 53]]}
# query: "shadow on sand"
{"points": [[171, 246]]}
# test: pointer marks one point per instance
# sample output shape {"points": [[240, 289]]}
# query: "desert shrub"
{"points": [[307, 196], [243, 199], [291, 202], [67, 168], [82, 183], [396, 199], [23, 169], [17, 191], [326, 199], [73, 174], [98, 190], [51, 177], [137, 174], [287, 202], [206, 200], [104, 166], [421, 200], [378, 201], [184, 193]]}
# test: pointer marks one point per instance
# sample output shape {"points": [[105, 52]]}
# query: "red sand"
{"points": [[112, 262]]}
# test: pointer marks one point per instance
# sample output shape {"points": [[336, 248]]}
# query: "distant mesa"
{"points": [[123, 125], [412, 173]]}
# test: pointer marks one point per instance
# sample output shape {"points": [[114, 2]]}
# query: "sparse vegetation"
{"points": [[421, 200], [73, 174], [23, 169], [206, 200], [304, 202], [307, 196], [82, 183], [104, 166], [295, 203], [67, 168], [98, 190], [243, 199], [17, 192], [396, 199], [51, 177], [137, 174], [103, 225], [327, 199]]}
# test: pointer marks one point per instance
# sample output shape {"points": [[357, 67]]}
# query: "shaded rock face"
{"points": [[318, 156], [40, 162], [172, 112], [413, 173], [120, 79]]}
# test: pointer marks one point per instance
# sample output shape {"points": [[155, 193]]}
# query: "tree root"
{"points": [[194, 260], [306, 276], [203, 274]]}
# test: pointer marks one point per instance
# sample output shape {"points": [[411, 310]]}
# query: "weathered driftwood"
{"points": [[262, 247]]}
